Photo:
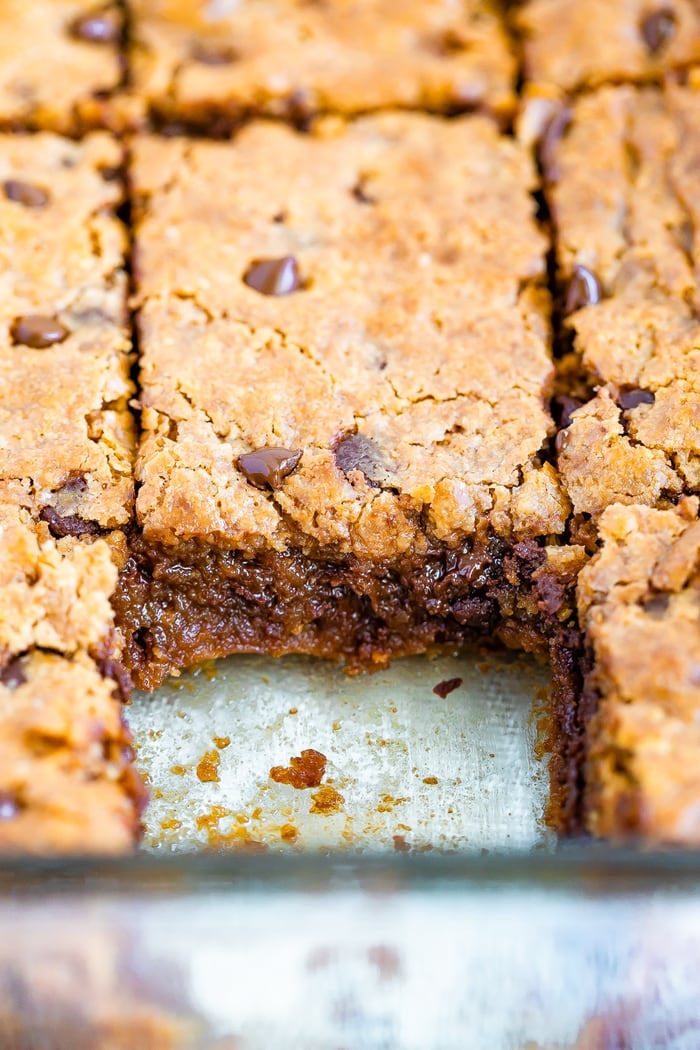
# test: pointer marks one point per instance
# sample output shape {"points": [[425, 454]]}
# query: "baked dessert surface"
{"points": [[60, 60], [67, 783], [575, 45], [628, 267], [639, 607], [385, 359], [346, 363], [67, 435], [330, 442], [200, 62]]}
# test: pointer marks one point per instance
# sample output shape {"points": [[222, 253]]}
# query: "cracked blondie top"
{"points": [[373, 308], [582, 44], [628, 261], [59, 62], [66, 432], [67, 783], [199, 60], [638, 601]]}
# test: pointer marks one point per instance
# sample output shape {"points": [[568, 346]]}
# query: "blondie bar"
{"points": [[628, 263], [66, 452], [345, 377], [624, 215], [638, 603], [581, 44], [60, 61], [66, 433], [66, 779], [204, 63]]}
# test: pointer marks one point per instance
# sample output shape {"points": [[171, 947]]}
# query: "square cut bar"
{"points": [[66, 434], [575, 45], [626, 215], [60, 61], [66, 780], [200, 62], [344, 390], [639, 600], [66, 457]]}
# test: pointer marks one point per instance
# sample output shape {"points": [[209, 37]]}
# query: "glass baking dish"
{"points": [[586, 949], [430, 909]]}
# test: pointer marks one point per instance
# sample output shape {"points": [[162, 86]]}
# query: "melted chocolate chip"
{"points": [[656, 605], [657, 28], [551, 592], [12, 675], [268, 467], [470, 568], [75, 482], [25, 193], [443, 689], [9, 805], [584, 290], [633, 396], [38, 332], [560, 441], [213, 55], [549, 142], [274, 276], [72, 525], [564, 407], [97, 27], [357, 452]]}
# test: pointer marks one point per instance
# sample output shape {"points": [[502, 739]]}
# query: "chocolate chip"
{"points": [[656, 605], [71, 525], [75, 482], [102, 26], [110, 668], [630, 397], [552, 135], [299, 107], [111, 173], [451, 43], [551, 592], [357, 452], [9, 805], [658, 27], [268, 467], [38, 331], [25, 193], [443, 689], [12, 675], [564, 407], [465, 572], [584, 290], [481, 614], [360, 193], [560, 441], [274, 276], [213, 55]]}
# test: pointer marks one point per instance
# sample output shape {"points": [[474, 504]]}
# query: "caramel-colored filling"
{"points": [[179, 607]]}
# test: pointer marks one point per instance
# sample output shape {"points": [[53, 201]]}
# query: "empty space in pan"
{"points": [[397, 765]]}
